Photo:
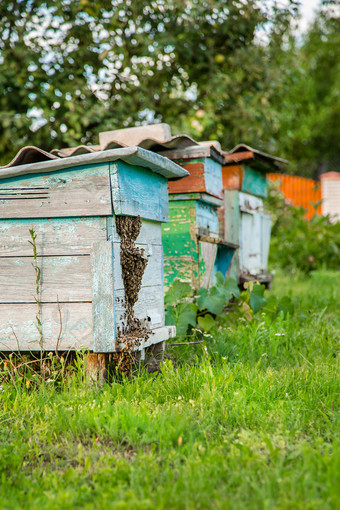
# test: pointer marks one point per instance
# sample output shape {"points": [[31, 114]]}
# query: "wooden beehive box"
{"points": [[72, 205], [193, 247], [243, 218], [330, 194]]}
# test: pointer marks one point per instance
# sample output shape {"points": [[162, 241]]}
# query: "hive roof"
{"points": [[31, 160]]}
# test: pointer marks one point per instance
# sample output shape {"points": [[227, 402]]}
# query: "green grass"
{"points": [[249, 424]]}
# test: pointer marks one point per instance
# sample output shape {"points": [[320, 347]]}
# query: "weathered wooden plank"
{"points": [[55, 236], [207, 218], [179, 236], [266, 230], [153, 274], [71, 323], [137, 191], [65, 278], [158, 335], [207, 256], [232, 226], [83, 191], [249, 203], [232, 177], [151, 232], [203, 197], [213, 177], [250, 243], [217, 240], [104, 338], [254, 182], [149, 307], [96, 367], [185, 268], [205, 177], [195, 182]]}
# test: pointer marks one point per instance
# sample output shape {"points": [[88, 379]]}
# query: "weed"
{"points": [[37, 296]]}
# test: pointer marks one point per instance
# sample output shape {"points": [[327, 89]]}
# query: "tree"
{"points": [[309, 104], [72, 68]]}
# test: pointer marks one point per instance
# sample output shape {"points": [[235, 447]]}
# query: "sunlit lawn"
{"points": [[251, 424]]}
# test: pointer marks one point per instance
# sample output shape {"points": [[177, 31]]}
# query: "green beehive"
{"points": [[194, 249]]}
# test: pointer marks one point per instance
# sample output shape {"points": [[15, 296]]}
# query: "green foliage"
{"points": [[222, 304], [125, 63], [308, 101], [299, 244], [181, 314]]}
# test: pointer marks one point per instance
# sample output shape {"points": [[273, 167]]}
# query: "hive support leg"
{"points": [[142, 355], [154, 356], [96, 367]]}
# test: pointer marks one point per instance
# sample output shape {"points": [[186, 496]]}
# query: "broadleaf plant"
{"points": [[223, 302]]}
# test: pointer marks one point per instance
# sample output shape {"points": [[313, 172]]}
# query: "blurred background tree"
{"points": [[215, 69]]}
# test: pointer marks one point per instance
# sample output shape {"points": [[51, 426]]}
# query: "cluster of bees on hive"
{"points": [[133, 263]]}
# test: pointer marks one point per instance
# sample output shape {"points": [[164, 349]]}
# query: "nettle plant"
{"points": [[223, 303]]}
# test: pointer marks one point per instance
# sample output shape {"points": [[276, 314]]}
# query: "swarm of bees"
{"points": [[133, 262]]}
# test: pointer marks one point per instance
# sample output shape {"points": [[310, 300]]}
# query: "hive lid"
{"points": [[243, 153], [31, 160], [211, 149], [154, 137]]}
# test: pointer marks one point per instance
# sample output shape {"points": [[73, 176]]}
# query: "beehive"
{"points": [[193, 248], [243, 218], [330, 189], [73, 205]]}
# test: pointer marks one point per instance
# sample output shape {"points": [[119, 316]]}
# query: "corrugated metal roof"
{"points": [[50, 163], [243, 152], [154, 137]]}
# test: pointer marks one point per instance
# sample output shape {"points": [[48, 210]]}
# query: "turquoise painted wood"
{"points": [[254, 182], [207, 217], [213, 176], [247, 224], [224, 257], [81, 191], [72, 212], [137, 191]]}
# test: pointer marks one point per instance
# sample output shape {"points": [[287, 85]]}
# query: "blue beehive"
{"points": [[89, 212]]}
